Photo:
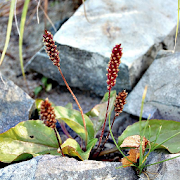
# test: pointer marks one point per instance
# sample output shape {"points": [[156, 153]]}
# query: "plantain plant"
{"points": [[37, 137]]}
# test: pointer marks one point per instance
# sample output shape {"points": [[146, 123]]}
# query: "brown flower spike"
{"points": [[51, 48], [113, 66], [53, 54], [120, 102], [48, 114]]}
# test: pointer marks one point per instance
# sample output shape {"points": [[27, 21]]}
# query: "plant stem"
{"points": [[117, 144], [140, 127], [102, 132], [74, 97], [108, 133], [55, 130], [62, 124]]}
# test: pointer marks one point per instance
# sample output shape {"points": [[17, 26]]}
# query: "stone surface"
{"points": [[140, 33], [15, 104], [55, 167], [163, 171], [79, 72], [162, 99]]}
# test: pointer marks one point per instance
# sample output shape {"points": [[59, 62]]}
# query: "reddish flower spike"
{"points": [[51, 48], [113, 66]]}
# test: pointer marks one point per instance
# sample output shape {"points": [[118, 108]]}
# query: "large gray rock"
{"points": [[163, 171], [140, 26], [15, 104], [162, 99], [56, 167]]}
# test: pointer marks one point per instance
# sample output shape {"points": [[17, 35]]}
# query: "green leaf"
{"points": [[44, 80], [27, 138], [48, 87], [22, 24], [69, 106], [37, 90], [74, 120], [169, 128], [72, 148], [98, 112]]}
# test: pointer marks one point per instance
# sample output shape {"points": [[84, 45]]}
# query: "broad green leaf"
{"points": [[74, 120], [27, 138], [169, 128], [72, 148], [98, 112]]}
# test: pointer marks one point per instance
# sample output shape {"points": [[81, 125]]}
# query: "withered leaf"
{"points": [[133, 141]]}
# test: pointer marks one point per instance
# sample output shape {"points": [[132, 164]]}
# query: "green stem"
{"points": [[117, 144], [162, 161]]}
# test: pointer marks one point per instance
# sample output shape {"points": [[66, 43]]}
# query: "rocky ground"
{"points": [[10, 68]]}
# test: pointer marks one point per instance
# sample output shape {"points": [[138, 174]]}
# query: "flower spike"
{"points": [[48, 114], [120, 102], [51, 48], [113, 66]]}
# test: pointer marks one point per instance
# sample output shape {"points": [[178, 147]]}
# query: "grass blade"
{"points": [[140, 127], [9, 27], [177, 27], [23, 20]]}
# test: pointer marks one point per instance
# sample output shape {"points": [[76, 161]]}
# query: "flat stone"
{"points": [[56, 167], [162, 98], [16, 105], [140, 33]]}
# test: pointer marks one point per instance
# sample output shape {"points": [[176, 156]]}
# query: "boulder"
{"points": [[16, 105], [162, 98], [142, 27], [56, 167]]}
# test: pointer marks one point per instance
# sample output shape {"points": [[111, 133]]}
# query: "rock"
{"points": [[85, 47], [140, 33], [122, 122], [162, 99], [163, 171], [56, 167], [79, 72], [16, 105]]}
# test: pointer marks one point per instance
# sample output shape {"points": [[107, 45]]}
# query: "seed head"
{"points": [[120, 102], [113, 66], [48, 114], [51, 48]]}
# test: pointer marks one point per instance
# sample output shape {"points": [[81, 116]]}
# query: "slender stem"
{"points": [[76, 103], [140, 122], [102, 132], [118, 147], [108, 134], [55, 130], [62, 124]]}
